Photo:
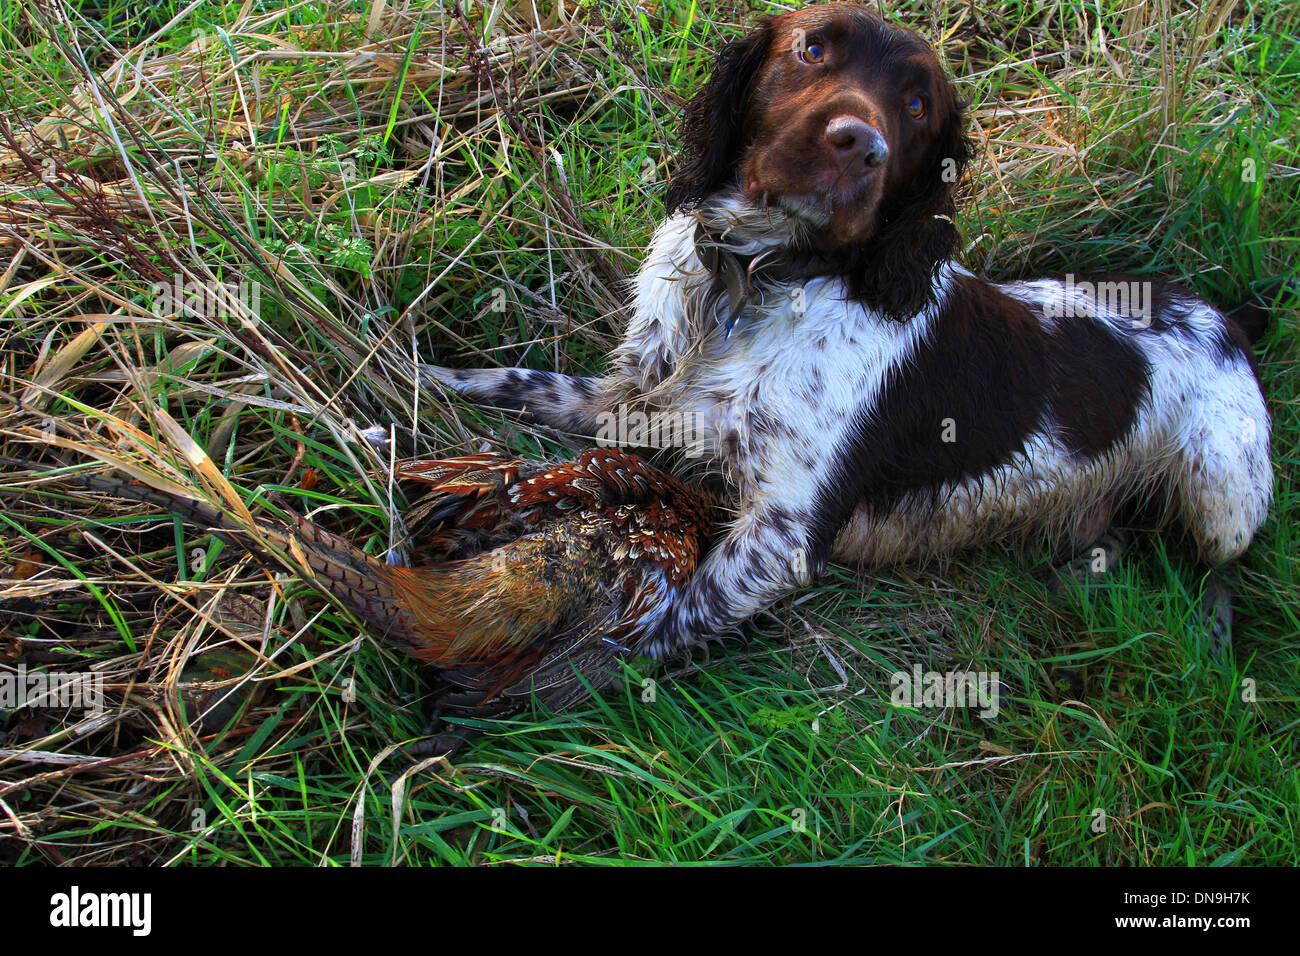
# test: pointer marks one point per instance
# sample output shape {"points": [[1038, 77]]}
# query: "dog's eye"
{"points": [[916, 107], [813, 53]]}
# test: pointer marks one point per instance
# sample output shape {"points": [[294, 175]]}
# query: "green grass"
{"points": [[387, 196]]}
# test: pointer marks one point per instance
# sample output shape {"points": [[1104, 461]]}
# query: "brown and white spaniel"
{"points": [[864, 396]]}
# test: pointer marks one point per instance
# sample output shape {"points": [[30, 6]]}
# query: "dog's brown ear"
{"points": [[952, 151], [918, 232], [713, 124]]}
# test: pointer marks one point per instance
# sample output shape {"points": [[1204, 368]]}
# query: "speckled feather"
{"points": [[525, 578]]}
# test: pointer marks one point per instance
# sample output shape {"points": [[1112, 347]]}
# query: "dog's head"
{"points": [[847, 124]]}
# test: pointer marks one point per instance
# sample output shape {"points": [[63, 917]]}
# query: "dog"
{"points": [[865, 398]]}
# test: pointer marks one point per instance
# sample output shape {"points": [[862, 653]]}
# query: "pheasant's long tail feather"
{"points": [[199, 512], [339, 569]]}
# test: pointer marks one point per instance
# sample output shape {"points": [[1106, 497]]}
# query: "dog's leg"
{"points": [[1224, 481], [778, 543], [1216, 607], [562, 401], [1095, 551], [766, 554]]}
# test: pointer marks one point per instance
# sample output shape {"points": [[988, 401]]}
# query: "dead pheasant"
{"points": [[525, 578]]}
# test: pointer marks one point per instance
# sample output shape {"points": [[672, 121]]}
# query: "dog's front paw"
{"points": [[668, 636]]}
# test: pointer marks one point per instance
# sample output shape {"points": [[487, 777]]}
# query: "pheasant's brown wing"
{"points": [[459, 504]]}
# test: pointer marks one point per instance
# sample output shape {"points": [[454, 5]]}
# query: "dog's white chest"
{"points": [[778, 395]]}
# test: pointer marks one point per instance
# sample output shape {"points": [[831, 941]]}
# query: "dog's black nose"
{"points": [[852, 139]]}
